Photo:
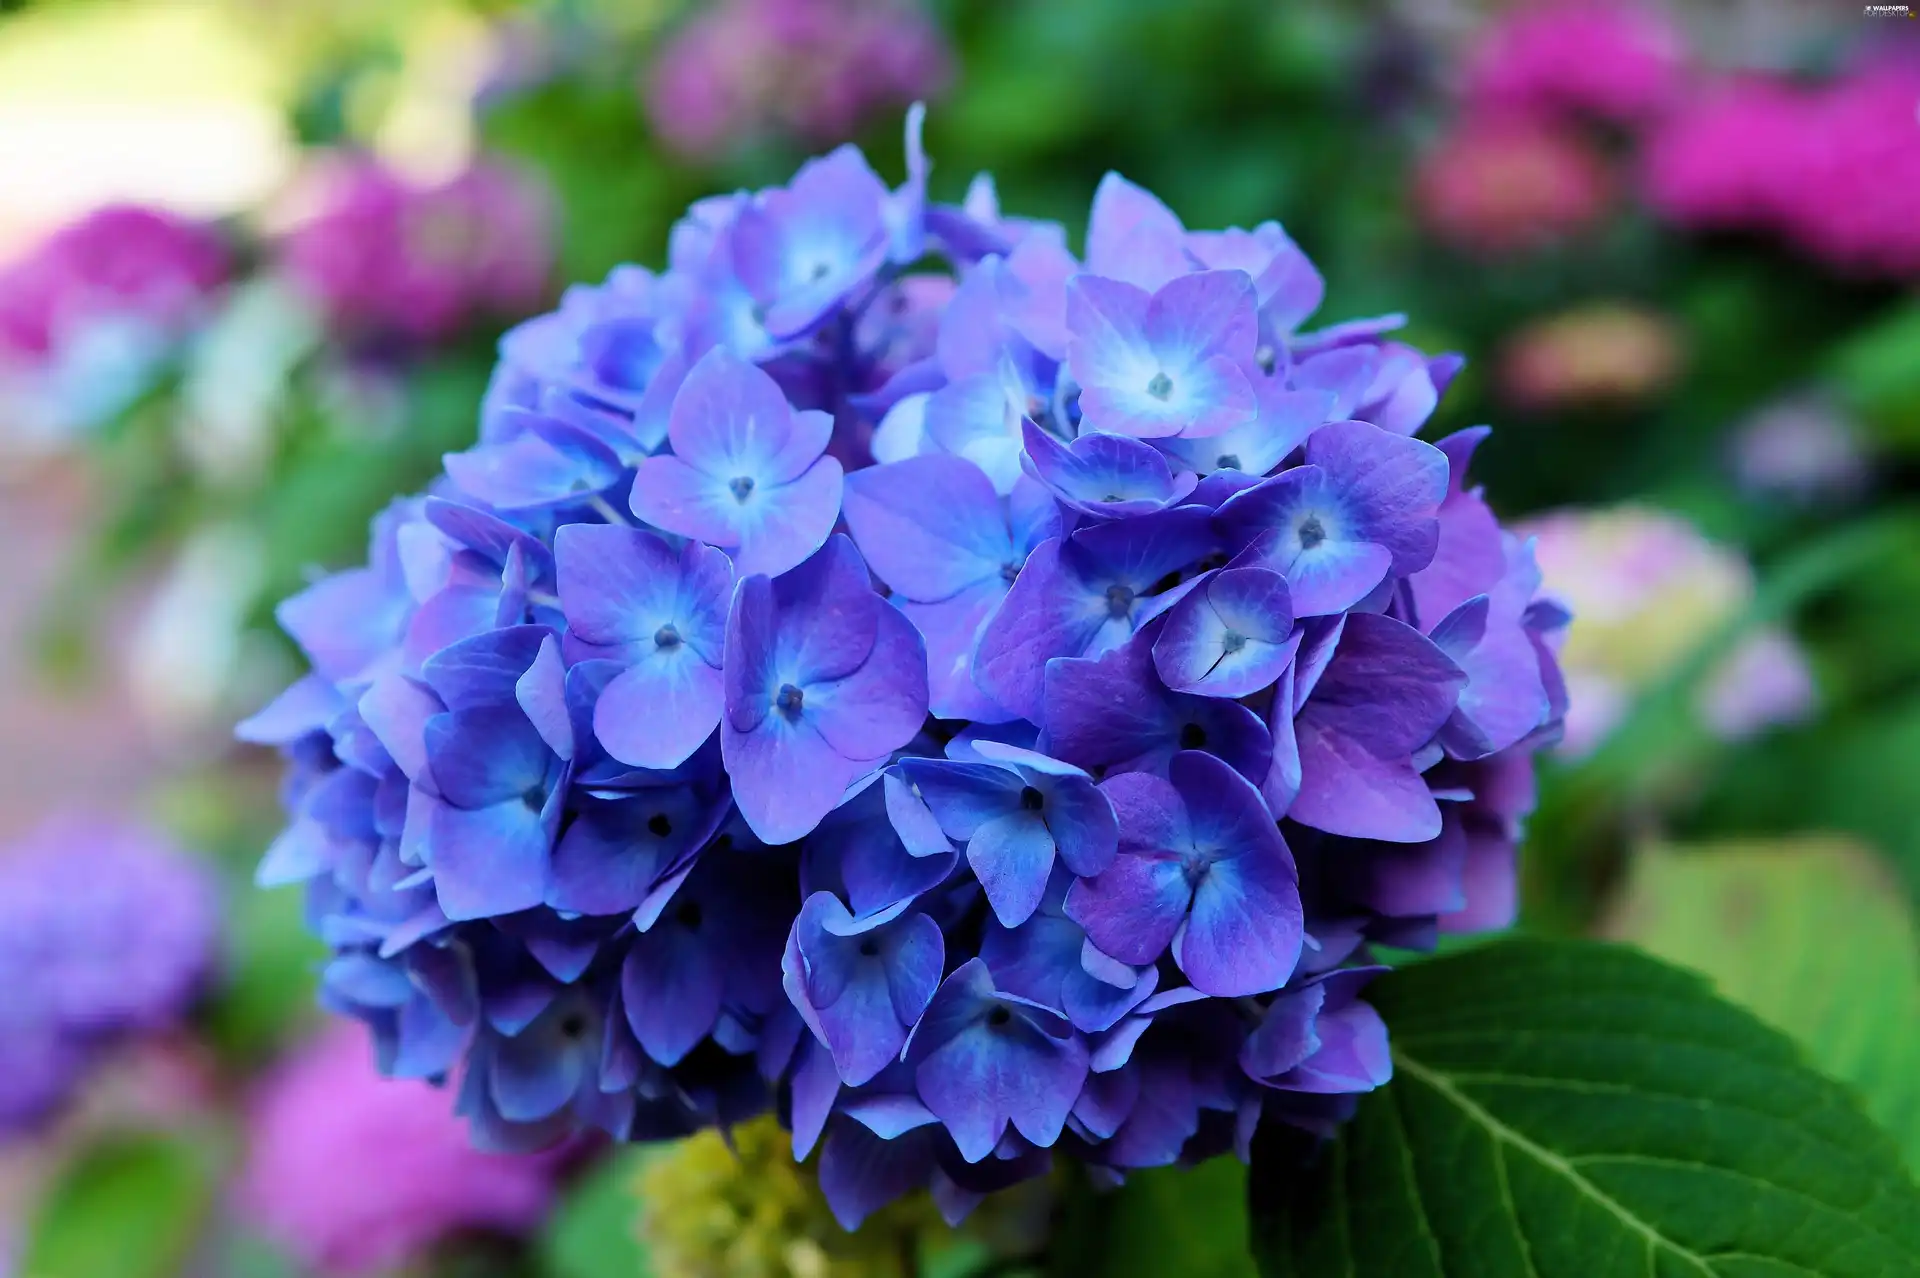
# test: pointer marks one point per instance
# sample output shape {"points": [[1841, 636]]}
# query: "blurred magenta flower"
{"points": [[809, 69], [1834, 168], [384, 256], [1602, 59], [353, 1173], [1503, 183], [106, 931], [87, 315], [1646, 589]]}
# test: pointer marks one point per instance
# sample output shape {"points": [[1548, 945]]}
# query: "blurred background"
{"points": [[254, 257]]}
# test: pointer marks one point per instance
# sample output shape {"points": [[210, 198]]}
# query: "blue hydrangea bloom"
{"points": [[979, 703]]}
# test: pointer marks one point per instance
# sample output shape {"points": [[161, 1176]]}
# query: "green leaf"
{"points": [[593, 1232], [129, 1207], [1186, 1221], [1810, 935], [1566, 1109]]}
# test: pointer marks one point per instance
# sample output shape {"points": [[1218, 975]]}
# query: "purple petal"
{"points": [[1012, 855], [929, 526], [487, 861], [656, 713], [1244, 933], [1132, 236]]}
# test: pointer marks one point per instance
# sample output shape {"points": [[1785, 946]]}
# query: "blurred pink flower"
{"points": [[1764, 682], [1607, 60], [355, 1174], [811, 69], [1833, 168], [1646, 589], [1503, 184], [384, 256], [122, 261], [1603, 354]]}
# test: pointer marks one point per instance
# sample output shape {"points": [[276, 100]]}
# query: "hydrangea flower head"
{"points": [[89, 968], [810, 70], [385, 256], [978, 712], [355, 1174], [1835, 176], [1601, 58], [88, 315]]}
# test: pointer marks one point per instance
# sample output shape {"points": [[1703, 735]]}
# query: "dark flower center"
{"points": [[659, 826], [1036, 407], [742, 486], [869, 948], [666, 637], [688, 916], [790, 700], [1031, 799], [1161, 387], [1312, 532], [820, 271], [1227, 461], [535, 797], [998, 1017], [1233, 642], [1266, 357], [1008, 571], [1119, 600], [573, 1027], [1192, 737]]}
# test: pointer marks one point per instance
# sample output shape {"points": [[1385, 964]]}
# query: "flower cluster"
{"points": [[85, 969], [86, 316], [811, 69], [1833, 168], [1603, 59], [383, 256], [974, 712], [355, 1174], [1649, 589]]}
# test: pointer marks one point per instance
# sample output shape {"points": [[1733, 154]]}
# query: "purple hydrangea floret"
{"points": [[980, 703]]}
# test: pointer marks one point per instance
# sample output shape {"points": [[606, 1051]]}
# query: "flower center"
{"points": [[1160, 387], [790, 700], [1119, 600], [1031, 799], [535, 797], [666, 637], [1266, 357], [742, 486], [999, 1017], [659, 826], [1192, 736], [689, 916], [869, 948], [573, 1027], [1233, 642], [1227, 461], [1312, 532], [1195, 866], [1008, 571]]}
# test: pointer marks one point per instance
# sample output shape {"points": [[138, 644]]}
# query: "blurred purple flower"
{"points": [[106, 931], [387, 257], [88, 314], [810, 69]]}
